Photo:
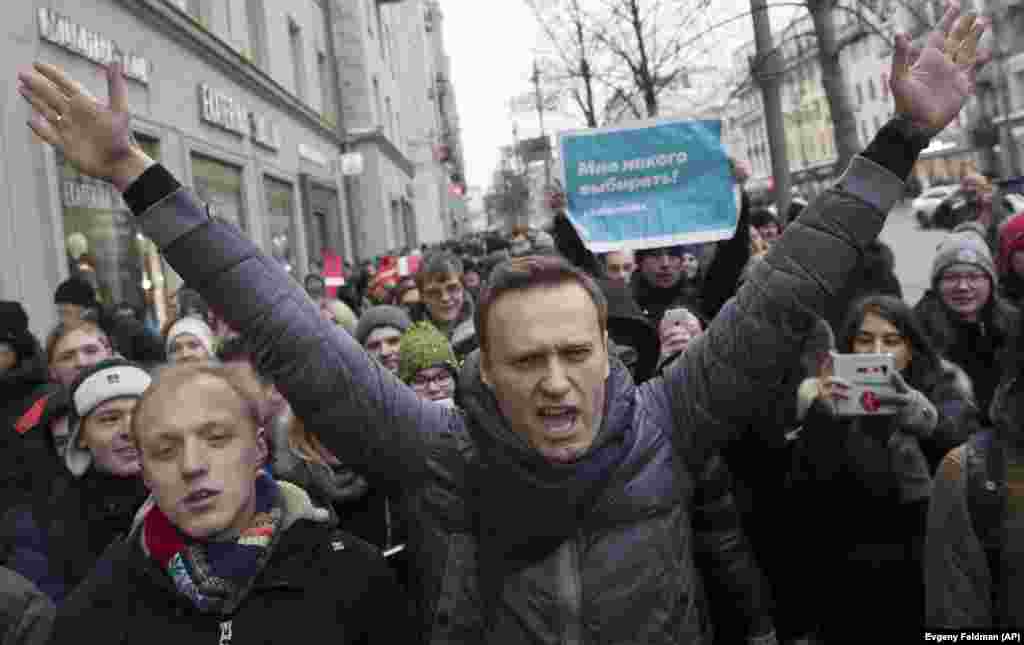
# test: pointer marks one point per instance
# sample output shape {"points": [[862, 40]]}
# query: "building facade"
{"points": [[399, 114], [995, 118], [234, 97]]}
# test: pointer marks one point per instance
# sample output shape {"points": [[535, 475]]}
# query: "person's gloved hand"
{"points": [[916, 413]]}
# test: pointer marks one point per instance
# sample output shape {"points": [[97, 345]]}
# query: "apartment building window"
{"points": [[877, 122], [885, 85], [872, 94], [326, 93], [860, 95], [256, 13], [371, 8], [864, 132], [391, 118], [298, 58]]}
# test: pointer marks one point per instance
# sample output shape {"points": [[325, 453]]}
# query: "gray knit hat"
{"points": [[381, 316], [965, 245]]}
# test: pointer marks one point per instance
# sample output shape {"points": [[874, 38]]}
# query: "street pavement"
{"points": [[914, 249]]}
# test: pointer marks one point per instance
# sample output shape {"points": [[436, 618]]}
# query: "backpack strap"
{"points": [[986, 502]]}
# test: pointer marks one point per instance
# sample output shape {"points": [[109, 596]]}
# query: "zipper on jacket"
{"points": [[570, 592]]}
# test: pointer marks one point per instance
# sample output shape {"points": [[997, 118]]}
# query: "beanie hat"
{"points": [[963, 246], [196, 327], [14, 327], [1011, 240], [75, 292], [343, 315], [381, 316], [111, 379], [423, 347]]}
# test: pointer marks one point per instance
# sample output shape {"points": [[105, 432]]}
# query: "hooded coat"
{"points": [[625, 572]]}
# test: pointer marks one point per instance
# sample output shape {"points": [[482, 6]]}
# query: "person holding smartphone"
{"points": [[863, 482]]}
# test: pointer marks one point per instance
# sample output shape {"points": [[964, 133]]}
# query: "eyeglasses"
{"points": [[442, 380], [972, 279]]}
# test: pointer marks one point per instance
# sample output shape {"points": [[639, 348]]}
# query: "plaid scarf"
{"points": [[215, 576]]}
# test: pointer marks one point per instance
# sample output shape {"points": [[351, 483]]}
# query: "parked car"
{"points": [[954, 209], [925, 204]]}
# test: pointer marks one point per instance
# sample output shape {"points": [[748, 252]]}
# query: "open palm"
{"points": [[931, 85]]}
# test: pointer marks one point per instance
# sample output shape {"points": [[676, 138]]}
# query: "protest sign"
{"points": [[649, 185]]}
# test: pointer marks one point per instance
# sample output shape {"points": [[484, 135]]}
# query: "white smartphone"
{"points": [[869, 376]]}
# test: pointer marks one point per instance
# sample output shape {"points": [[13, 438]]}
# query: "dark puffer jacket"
{"points": [[628, 574]]}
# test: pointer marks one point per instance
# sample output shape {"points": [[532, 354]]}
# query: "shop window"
{"points": [[280, 222], [298, 52], [103, 245], [219, 185]]}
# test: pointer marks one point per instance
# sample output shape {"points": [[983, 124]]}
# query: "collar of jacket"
{"points": [[300, 517]]}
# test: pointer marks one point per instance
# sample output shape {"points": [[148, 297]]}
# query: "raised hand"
{"points": [[94, 136], [931, 85]]}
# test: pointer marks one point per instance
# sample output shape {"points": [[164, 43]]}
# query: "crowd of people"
{"points": [[522, 442]]}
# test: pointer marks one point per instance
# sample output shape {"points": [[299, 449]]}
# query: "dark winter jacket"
{"points": [[979, 348], [29, 459], [20, 388], [969, 576], [855, 542], [318, 583], [55, 540], [628, 573], [26, 614]]}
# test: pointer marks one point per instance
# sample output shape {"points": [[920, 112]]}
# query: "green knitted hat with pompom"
{"points": [[423, 347]]}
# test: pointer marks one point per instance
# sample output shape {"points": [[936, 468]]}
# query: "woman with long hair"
{"points": [[862, 483]]}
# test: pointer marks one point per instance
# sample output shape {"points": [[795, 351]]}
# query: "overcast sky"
{"points": [[491, 44]]}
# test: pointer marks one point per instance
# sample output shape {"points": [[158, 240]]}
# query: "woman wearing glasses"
{"points": [[427, 363], [963, 315]]}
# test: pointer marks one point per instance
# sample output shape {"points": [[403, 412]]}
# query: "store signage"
{"points": [[61, 31], [221, 110], [224, 111], [264, 131], [90, 193], [312, 155]]}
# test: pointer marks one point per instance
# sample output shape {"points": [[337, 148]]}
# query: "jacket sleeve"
{"points": [[956, 575], [727, 266], [721, 549], [737, 371], [360, 411]]}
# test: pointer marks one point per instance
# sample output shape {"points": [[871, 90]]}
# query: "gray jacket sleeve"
{"points": [[956, 576], [733, 376], [26, 614], [360, 411]]}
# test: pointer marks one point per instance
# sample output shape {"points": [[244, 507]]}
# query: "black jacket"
{"points": [[56, 539], [319, 583]]}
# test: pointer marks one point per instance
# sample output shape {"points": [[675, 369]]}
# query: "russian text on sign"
{"points": [[61, 31]]}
